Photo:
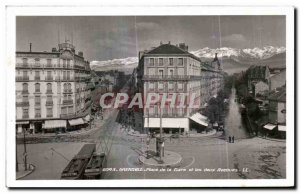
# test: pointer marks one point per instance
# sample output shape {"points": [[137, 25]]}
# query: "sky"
{"points": [[112, 37]]}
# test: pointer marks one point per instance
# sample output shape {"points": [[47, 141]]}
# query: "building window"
{"points": [[48, 62], [160, 62], [37, 62], [38, 113], [64, 110], [49, 112], [171, 61], [70, 110], [151, 61], [25, 61], [68, 63], [37, 100], [37, 75], [180, 61], [65, 87], [171, 72], [160, 85], [161, 72], [25, 88], [25, 113], [49, 88], [49, 73], [68, 75], [151, 85], [25, 73], [69, 87], [64, 63], [37, 87], [64, 75]]}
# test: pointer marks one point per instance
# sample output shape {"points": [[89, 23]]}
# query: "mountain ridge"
{"points": [[230, 57]]}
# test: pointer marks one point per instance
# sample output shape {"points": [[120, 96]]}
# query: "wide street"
{"points": [[247, 158]]}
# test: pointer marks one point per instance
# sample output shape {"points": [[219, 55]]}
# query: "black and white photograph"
{"points": [[161, 98]]}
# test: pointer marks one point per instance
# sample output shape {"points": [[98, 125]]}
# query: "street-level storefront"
{"points": [[22, 126], [169, 125], [198, 122], [54, 126], [76, 124]]}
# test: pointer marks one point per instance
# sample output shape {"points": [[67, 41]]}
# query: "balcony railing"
{"points": [[23, 104], [49, 78], [22, 65], [67, 91], [22, 78], [169, 77], [37, 65], [64, 79], [49, 66], [67, 102], [49, 103]]}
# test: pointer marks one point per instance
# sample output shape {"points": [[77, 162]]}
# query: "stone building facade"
{"points": [[172, 69], [51, 88]]}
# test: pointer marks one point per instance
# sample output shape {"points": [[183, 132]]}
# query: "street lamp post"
{"points": [[160, 137], [25, 151]]}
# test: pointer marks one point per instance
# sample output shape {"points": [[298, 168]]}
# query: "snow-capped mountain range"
{"points": [[254, 53], [238, 55]]}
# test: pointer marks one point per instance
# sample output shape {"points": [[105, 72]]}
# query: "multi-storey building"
{"points": [[52, 88], [172, 69]]}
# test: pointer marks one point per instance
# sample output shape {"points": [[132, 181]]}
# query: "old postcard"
{"points": [[150, 96]]}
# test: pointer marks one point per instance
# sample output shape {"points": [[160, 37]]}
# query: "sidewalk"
{"points": [[22, 173], [271, 139], [97, 123]]}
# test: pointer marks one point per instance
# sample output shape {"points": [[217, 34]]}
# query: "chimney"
{"points": [[30, 44], [183, 46]]}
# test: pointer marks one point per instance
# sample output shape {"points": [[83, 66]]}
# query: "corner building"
{"points": [[52, 89], [172, 69]]}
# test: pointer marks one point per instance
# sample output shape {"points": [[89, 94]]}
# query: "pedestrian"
{"points": [[232, 139], [229, 139]]}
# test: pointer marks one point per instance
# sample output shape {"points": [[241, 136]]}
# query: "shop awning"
{"points": [[166, 123], [52, 124], [22, 122], [281, 128], [269, 126], [201, 119], [87, 118], [78, 121]]}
